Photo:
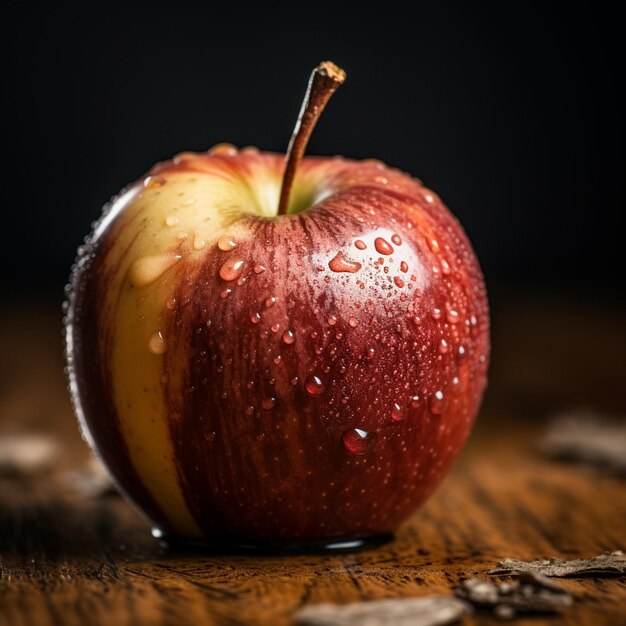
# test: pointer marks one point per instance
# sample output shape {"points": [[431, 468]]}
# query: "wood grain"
{"points": [[66, 560]]}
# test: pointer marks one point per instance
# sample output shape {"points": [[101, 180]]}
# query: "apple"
{"points": [[277, 351]]}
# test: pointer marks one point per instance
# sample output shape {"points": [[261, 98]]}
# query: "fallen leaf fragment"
{"points": [[607, 564], [427, 611], [27, 454], [588, 438], [528, 593]]}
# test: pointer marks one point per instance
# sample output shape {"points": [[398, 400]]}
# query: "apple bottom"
{"points": [[345, 544]]}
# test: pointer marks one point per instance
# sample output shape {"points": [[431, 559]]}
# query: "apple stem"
{"points": [[324, 81]]}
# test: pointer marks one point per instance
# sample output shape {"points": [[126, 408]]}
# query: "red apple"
{"points": [[250, 373]]}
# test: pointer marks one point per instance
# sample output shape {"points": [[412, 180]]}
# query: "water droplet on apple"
{"points": [[294, 381], [275, 328], [404, 267], [289, 337], [171, 220], [249, 410], [464, 376], [199, 243], [357, 441], [156, 343], [255, 318], [462, 352], [340, 263], [225, 293], [353, 322], [456, 385], [147, 269], [445, 267], [398, 282], [383, 246], [436, 314], [443, 346], [415, 401], [360, 244], [232, 269], [436, 402], [452, 316], [417, 320], [171, 303], [154, 182], [223, 149], [332, 320], [473, 325], [397, 414], [270, 302], [268, 403], [381, 180], [371, 353], [258, 268], [433, 244], [226, 243], [396, 239], [314, 385]]}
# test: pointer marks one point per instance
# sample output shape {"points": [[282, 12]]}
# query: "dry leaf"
{"points": [[529, 593], [27, 454], [428, 611], [590, 438], [607, 564]]}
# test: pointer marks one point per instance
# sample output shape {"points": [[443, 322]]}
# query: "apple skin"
{"points": [[247, 377]]}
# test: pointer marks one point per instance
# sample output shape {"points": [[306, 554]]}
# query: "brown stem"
{"points": [[324, 81]]}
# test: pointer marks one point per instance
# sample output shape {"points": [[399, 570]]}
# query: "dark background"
{"points": [[509, 111]]}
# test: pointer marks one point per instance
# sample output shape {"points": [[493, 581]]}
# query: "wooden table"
{"points": [[67, 560]]}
